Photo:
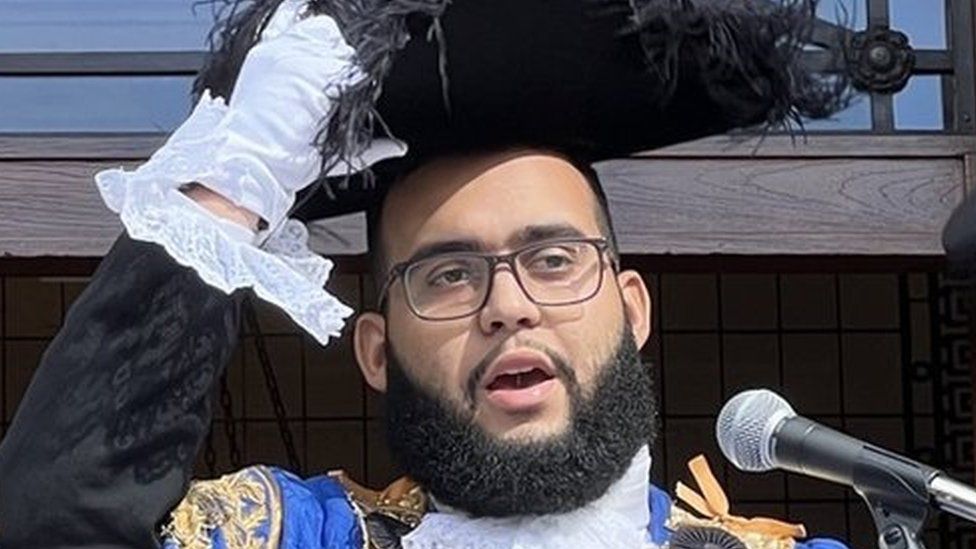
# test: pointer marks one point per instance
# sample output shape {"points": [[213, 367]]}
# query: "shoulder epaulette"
{"points": [[713, 516], [244, 507], [389, 514]]}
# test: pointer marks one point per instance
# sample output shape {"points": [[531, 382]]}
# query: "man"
{"points": [[506, 334], [508, 341]]}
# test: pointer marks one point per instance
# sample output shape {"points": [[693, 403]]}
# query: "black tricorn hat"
{"points": [[595, 79]]}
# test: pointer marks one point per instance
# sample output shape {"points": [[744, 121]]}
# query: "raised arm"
{"points": [[103, 442], [105, 437]]}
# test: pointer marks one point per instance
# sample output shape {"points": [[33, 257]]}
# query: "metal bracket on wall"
{"points": [[880, 60]]}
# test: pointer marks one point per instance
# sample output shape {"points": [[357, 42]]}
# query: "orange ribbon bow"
{"points": [[713, 503]]}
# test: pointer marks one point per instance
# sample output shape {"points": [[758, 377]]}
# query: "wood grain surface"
{"points": [[81, 147], [744, 145], [796, 206], [660, 206], [818, 145], [53, 209]]}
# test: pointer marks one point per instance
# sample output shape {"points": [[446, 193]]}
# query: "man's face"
{"points": [[509, 367]]}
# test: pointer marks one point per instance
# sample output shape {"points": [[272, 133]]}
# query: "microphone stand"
{"points": [[897, 495], [894, 534]]}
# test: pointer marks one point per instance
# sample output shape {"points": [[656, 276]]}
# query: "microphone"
{"points": [[959, 238], [759, 431]]}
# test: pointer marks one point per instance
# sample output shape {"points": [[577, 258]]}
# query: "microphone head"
{"points": [[746, 425]]}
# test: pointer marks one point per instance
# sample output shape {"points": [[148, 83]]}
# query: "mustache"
{"points": [[564, 372]]}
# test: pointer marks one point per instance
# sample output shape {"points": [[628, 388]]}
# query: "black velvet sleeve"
{"points": [[104, 440]]}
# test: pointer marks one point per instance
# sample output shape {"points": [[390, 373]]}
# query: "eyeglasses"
{"points": [[455, 285]]}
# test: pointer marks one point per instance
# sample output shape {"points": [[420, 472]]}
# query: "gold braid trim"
{"points": [[403, 500], [752, 540], [240, 504]]}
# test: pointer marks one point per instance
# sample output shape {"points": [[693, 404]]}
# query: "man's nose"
{"points": [[507, 307]]}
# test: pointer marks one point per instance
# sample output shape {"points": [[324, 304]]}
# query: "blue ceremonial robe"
{"points": [[270, 507], [103, 443]]}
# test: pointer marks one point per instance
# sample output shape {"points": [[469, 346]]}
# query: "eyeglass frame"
{"points": [[602, 245]]}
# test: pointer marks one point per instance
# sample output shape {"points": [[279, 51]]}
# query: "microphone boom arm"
{"points": [[895, 489], [896, 493]]}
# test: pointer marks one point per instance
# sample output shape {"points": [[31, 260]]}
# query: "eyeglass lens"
{"points": [[454, 285]]}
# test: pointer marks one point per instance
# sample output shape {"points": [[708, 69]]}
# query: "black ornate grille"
{"points": [[884, 355], [949, 377]]}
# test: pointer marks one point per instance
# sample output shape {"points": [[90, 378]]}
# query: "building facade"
{"points": [[810, 263]]}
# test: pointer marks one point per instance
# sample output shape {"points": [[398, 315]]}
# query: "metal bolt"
{"points": [[893, 536], [881, 57]]}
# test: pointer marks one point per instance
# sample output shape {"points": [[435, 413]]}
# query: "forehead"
{"points": [[487, 199]]}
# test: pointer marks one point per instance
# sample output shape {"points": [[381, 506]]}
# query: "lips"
{"points": [[519, 381], [518, 368]]}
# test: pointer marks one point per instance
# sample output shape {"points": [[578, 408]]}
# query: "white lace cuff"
{"points": [[202, 151], [283, 271]]}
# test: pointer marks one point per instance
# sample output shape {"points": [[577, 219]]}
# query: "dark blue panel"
{"points": [[104, 25], [93, 103]]}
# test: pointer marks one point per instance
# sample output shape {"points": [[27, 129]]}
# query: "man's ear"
{"points": [[369, 344], [637, 304]]}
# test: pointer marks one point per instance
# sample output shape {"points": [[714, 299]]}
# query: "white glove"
{"points": [[265, 149], [257, 152]]}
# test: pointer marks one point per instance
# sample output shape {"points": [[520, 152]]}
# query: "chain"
{"points": [[272, 383], [230, 427]]}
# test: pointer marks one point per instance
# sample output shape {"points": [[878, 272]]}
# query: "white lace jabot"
{"points": [[617, 520]]}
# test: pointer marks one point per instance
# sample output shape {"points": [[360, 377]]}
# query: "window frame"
{"points": [[958, 84]]}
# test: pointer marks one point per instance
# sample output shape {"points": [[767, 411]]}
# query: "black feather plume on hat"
{"points": [[746, 53], [374, 28], [623, 75]]}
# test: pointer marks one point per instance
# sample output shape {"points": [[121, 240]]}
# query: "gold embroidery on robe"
{"points": [[246, 506]]}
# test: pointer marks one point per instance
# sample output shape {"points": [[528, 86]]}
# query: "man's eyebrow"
{"points": [[536, 233], [445, 246], [526, 235]]}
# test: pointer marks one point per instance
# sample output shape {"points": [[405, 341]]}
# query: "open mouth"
{"points": [[519, 380], [520, 383]]}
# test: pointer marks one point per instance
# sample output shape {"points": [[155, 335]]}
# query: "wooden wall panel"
{"points": [[743, 145], [818, 145], [68, 147], [660, 205], [52, 208], [794, 206]]}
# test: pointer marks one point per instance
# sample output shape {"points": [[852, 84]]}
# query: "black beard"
{"points": [[464, 467]]}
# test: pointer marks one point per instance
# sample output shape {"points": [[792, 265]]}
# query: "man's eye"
{"points": [[449, 277], [551, 261]]}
